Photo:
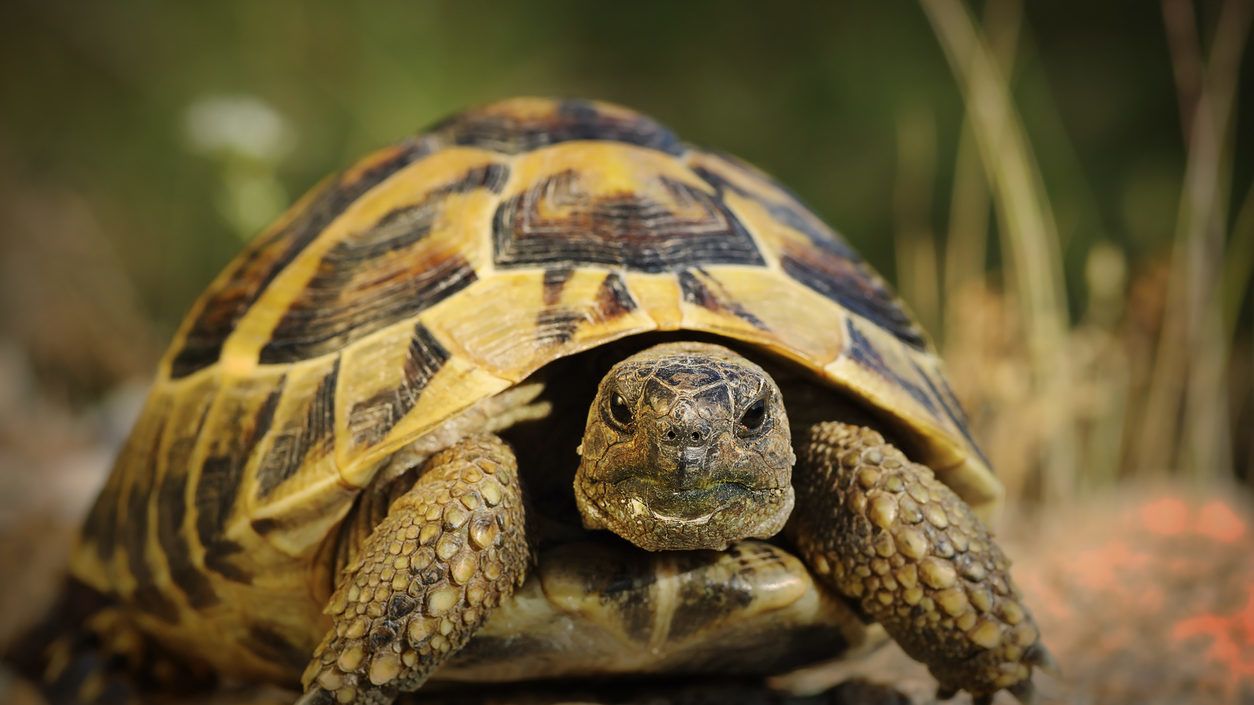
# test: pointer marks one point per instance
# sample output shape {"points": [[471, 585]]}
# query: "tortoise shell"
{"points": [[440, 271]]}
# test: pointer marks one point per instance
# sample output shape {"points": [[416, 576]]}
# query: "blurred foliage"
{"points": [[175, 130], [97, 95]]}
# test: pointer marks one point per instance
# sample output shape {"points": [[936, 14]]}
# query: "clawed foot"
{"points": [[450, 549], [884, 531]]}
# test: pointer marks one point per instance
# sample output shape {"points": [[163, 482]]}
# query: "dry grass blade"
{"points": [[1026, 223], [1190, 365], [966, 245], [917, 267], [1238, 266], [967, 241]]}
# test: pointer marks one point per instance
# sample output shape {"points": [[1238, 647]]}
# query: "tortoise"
{"points": [[544, 391]]}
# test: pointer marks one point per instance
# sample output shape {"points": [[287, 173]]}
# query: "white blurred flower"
{"points": [[237, 125]]}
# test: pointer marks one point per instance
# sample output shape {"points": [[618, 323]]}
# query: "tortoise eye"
{"points": [[754, 417], [619, 409]]}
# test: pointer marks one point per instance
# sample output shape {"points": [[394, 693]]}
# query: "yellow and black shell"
{"points": [[436, 273]]}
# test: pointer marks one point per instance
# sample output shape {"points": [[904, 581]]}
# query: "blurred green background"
{"points": [[142, 142]]}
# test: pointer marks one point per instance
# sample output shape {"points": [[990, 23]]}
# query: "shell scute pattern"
{"points": [[378, 276], [230, 296], [372, 418], [808, 251], [525, 124], [173, 479], [520, 324], [144, 594], [242, 418], [660, 225], [308, 428], [439, 272]]}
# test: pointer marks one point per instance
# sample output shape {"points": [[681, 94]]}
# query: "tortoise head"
{"points": [[686, 447]]}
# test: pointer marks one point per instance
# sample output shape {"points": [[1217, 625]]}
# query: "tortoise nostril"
{"points": [[685, 433]]}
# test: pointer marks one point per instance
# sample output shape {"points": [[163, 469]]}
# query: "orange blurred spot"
{"points": [[1219, 522], [1247, 617], [1152, 598], [1103, 567], [1232, 639], [1167, 516]]}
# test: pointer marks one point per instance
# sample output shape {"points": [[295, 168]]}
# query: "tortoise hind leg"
{"points": [[883, 531], [450, 549]]}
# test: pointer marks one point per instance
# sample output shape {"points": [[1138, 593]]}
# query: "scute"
{"points": [[232, 293], [442, 271], [379, 275], [614, 206], [308, 430], [820, 259], [401, 248], [524, 124]]}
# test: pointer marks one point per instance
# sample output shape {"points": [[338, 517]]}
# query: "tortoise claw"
{"points": [[1024, 691], [1040, 657], [316, 696]]}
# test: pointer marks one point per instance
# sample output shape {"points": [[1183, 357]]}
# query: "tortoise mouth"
{"points": [[698, 503], [657, 516]]}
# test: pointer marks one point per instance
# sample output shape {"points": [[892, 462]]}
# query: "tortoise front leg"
{"points": [[449, 551], [883, 531]]}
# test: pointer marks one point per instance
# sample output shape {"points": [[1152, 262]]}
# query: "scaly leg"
{"points": [[449, 551], [883, 531]]}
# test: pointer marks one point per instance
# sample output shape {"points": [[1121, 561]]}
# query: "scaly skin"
{"points": [[450, 550], [887, 533], [680, 470]]}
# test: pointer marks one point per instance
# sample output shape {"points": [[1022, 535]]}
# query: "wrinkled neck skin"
{"points": [[686, 447]]}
